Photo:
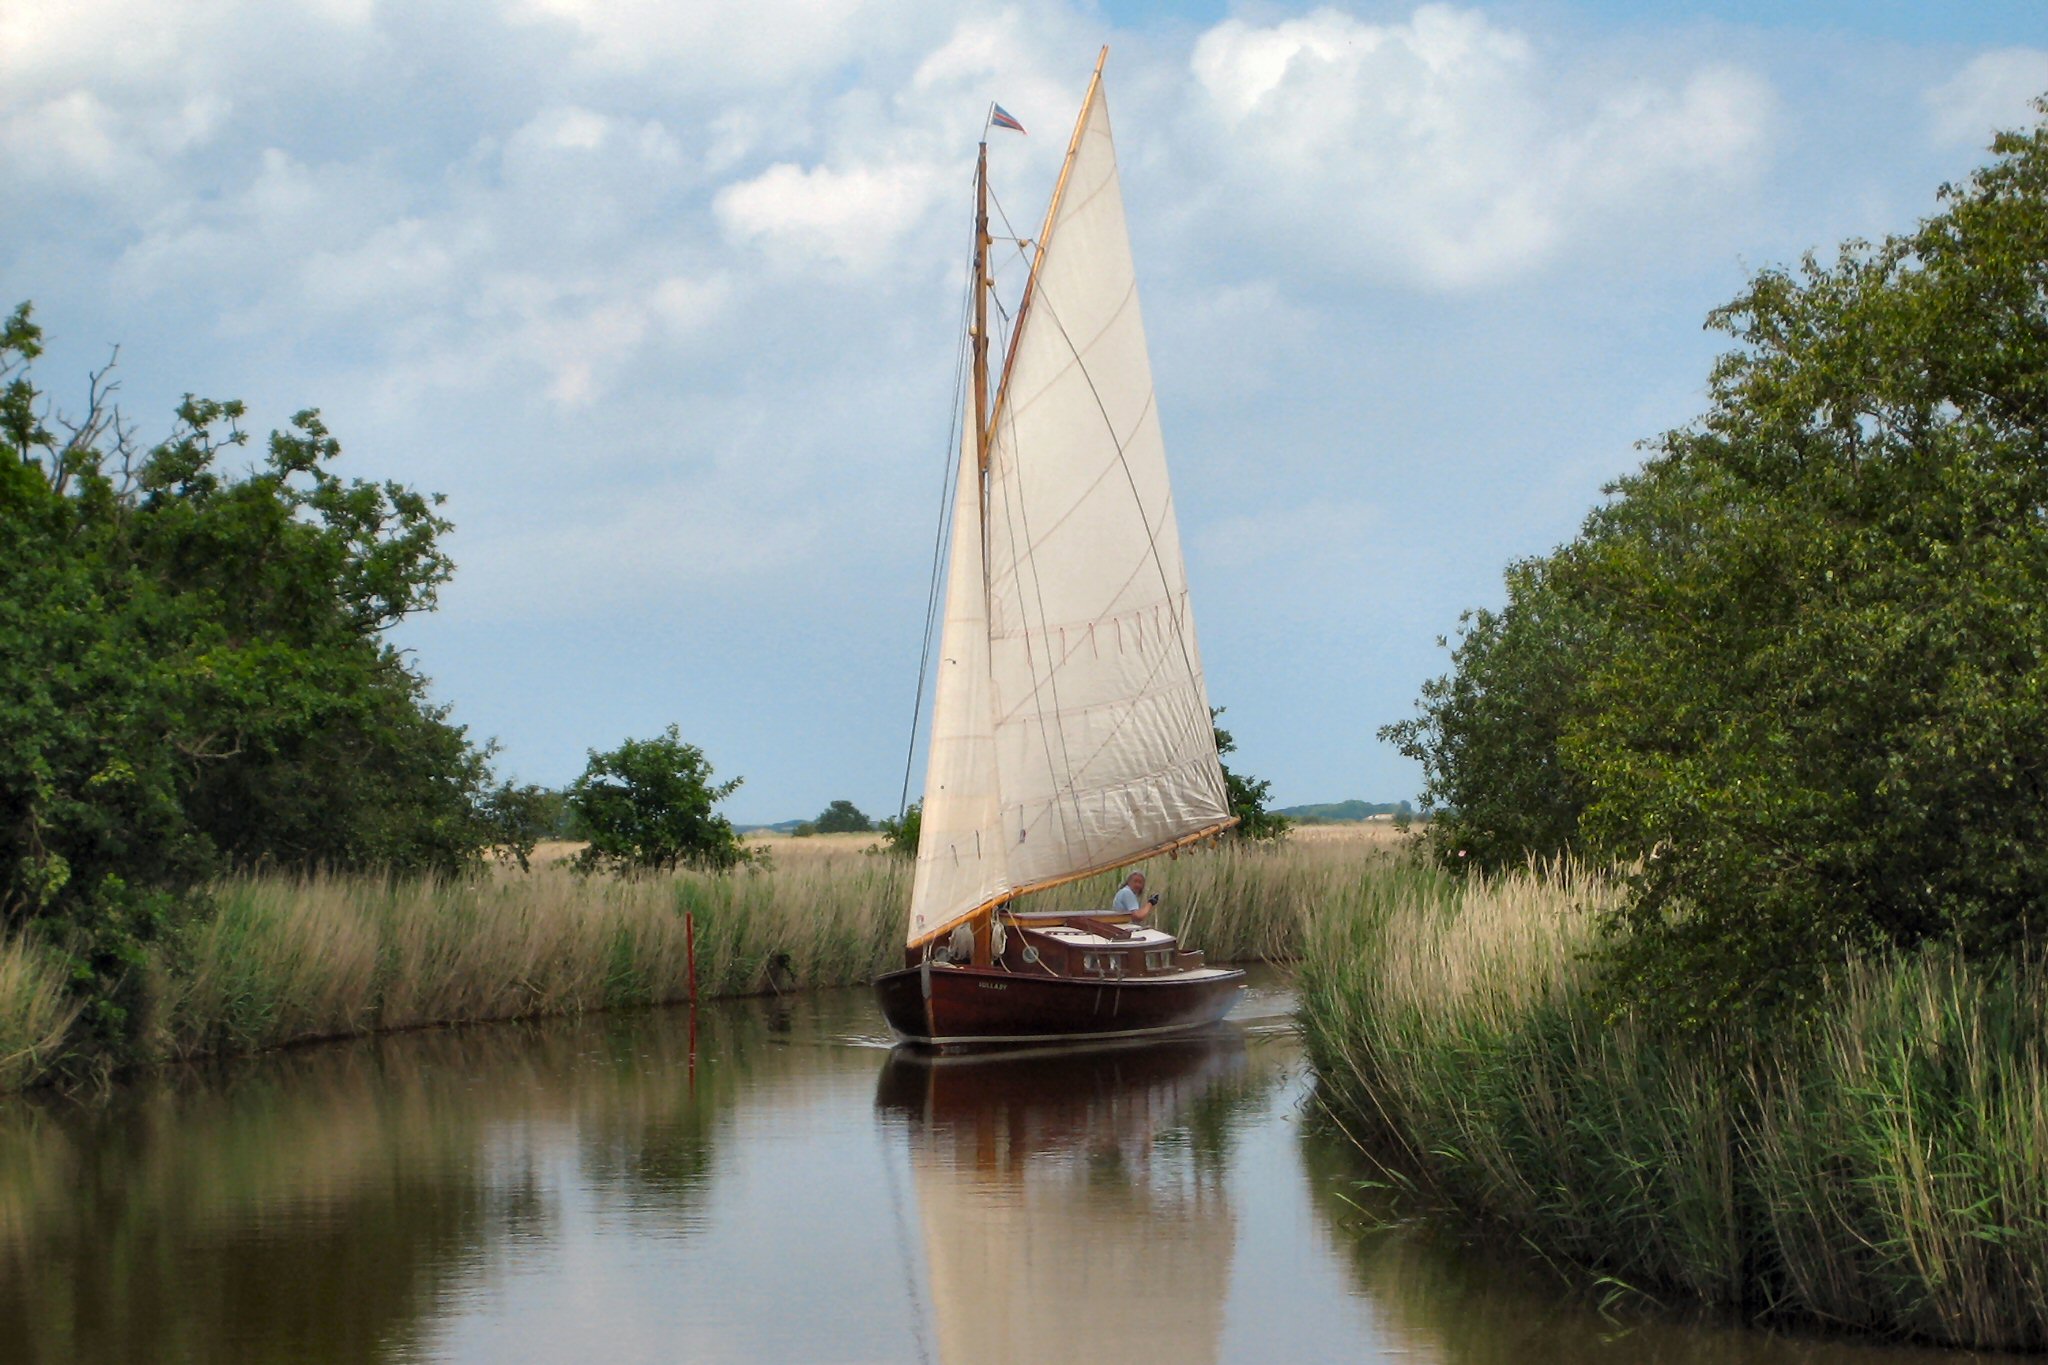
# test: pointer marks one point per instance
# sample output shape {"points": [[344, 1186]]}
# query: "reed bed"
{"points": [[1885, 1168], [282, 960], [36, 1013]]}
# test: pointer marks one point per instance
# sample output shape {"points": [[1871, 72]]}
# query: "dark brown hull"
{"points": [[944, 1004]]}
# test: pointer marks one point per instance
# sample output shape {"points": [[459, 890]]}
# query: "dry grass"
{"points": [[36, 1013], [286, 960], [1378, 832], [779, 847]]}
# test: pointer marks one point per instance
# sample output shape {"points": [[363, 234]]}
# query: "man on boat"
{"points": [[1131, 900]]}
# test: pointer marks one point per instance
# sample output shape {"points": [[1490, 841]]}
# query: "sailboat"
{"points": [[1071, 732]]}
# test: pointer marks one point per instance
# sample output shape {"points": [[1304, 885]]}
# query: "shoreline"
{"points": [[1882, 1169], [288, 960]]}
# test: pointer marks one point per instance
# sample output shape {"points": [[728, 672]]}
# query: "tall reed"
{"points": [[1884, 1168], [285, 959], [36, 1013], [1903, 1164]]}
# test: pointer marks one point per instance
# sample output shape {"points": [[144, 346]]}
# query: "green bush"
{"points": [[648, 804], [1792, 668]]}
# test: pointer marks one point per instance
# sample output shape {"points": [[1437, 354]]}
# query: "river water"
{"points": [[764, 1181]]}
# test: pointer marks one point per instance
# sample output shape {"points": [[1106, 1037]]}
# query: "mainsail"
{"points": [[1071, 729]]}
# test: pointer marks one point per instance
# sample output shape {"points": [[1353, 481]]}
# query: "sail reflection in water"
{"points": [[1075, 1202], [598, 1190]]}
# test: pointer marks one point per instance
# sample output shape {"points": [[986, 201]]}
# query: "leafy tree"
{"points": [[1247, 795], [1487, 733], [648, 804], [515, 818], [1830, 606], [899, 835], [193, 673], [842, 817], [1793, 666]]}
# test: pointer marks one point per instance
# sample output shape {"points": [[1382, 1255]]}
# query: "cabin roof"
{"points": [[1140, 938]]}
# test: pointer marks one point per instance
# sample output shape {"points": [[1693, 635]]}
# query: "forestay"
{"points": [[1071, 728]]}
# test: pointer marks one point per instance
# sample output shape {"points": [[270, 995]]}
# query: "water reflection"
{"points": [[321, 1205], [1480, 1299], [1076, 1200], [786, 1190]]}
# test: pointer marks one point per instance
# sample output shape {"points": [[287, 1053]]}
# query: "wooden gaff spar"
{"points": [[1070, 730]]}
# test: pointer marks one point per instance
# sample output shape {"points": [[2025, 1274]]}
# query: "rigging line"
{"points": [[1151, 535], [946, 485], [1172, 601], [1051, 681], [1019, 242], [1051, 684], [1158, 664]]}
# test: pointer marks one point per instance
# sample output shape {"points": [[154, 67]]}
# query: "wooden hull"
{"points": [[947, 1004]]}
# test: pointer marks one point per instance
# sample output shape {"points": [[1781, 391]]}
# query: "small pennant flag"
{"points": [[1001, 118]]}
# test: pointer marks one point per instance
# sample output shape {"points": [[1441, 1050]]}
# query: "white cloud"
{"points": [[73, 134], [765, 43], [1449, 148], [1995, 91], [685, 305], [243, 243], [854, 217]]}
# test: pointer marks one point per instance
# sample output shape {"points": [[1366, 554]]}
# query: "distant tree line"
{"points": [[841, 817], [1792, 671], [1340, 812]]}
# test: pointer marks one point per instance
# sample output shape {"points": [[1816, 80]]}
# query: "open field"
{"points": [[1380, 832], [779, 846]]}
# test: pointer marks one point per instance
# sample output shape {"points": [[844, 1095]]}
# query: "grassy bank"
{"points": [[286, 960], [1885, 1169]]}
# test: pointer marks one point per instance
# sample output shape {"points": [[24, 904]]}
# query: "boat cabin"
{"points": [[1101, 945]]}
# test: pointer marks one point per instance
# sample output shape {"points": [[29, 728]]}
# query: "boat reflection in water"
{"points": [[1074, 1202]]}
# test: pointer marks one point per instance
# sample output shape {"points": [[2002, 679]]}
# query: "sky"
{"points": [[662, 296]]}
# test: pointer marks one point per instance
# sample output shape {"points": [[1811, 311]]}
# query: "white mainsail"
{"points": [[1071, 728]]}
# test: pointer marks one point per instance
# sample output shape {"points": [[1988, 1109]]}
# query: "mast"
{"points": [[982, 284]]}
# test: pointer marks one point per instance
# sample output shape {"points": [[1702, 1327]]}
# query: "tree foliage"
{"points": [[1247, 795], [1488, 733], [193, 672], [1795, 664], [514, 817], [648, 804], [842, 817], [899, 835]]}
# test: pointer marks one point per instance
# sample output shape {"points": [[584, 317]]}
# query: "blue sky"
{"points": [[660, 296]]}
